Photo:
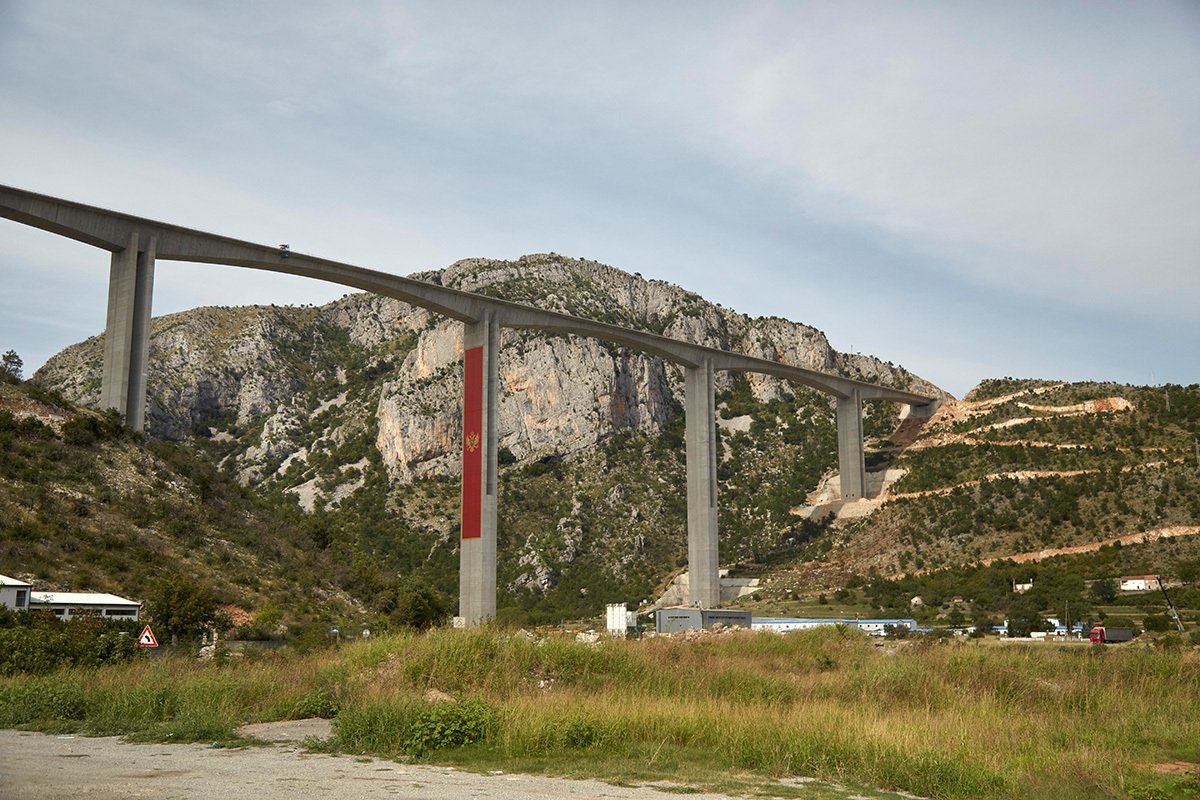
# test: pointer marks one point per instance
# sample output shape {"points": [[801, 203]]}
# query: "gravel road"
{"points": [[35, 766]]}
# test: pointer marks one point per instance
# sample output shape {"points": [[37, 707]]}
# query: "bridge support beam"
{"points": [[477, 536], [127, 332], [851, 460], [704, 583]]}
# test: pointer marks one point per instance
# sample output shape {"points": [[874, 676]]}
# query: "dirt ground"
{"points": [[35, 766]]}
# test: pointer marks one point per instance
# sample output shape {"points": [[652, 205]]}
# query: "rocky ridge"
{"points": [[343, 406], [270, 368]]}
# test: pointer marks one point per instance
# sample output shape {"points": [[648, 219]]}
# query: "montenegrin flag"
{"points": [[472, 477]]}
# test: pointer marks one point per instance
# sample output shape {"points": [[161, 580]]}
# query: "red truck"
{"points": [[1104, 635]]}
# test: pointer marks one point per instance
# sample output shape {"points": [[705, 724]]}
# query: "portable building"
{"points": [[676, 620]]}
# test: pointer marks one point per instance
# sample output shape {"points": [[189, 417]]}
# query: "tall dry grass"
{"points": [[937, 719]]}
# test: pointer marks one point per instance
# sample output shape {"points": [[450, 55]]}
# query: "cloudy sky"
{"points": [[968, 189]]}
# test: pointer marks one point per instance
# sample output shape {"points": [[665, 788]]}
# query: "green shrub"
{"points": [[581, 731], [410, 726], [37, 644], [42, 700], [379, 728], [447, 725], [318, 703], [81, 430]]}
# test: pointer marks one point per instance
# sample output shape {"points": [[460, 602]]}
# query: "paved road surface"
{"points": [[35, 766]]}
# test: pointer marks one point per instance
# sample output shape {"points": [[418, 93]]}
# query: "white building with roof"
{"points": [[66, 605], [1138, 583], [14, 594]]}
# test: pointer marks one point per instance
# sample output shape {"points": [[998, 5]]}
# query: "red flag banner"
{"points": [[472, 476]]}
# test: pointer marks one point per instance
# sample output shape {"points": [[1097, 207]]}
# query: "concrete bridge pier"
{"points": [[704, 583], [477, 536], [127, 332], [851, 460]]}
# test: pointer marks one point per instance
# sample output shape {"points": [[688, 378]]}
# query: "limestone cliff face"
{"points": [[564, 394], [288, 383], [205, 364], [558, 395]]}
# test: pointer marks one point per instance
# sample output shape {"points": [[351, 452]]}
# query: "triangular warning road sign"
{"points": [[147, 638]]}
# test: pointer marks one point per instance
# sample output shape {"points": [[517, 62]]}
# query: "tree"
{"points": [[1189, 570], [1157, 622], [181, 608], [10, 368], [419, 607], [1105, 590], [981, 618], [1025, 617]]}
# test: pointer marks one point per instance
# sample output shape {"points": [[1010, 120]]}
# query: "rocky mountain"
{"points": [[220, 367], [347, 417], [352, 411]]}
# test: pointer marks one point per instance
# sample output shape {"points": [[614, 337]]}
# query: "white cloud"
{"points": [[1051, 159]]}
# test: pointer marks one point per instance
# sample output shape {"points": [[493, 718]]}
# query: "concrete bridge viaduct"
{"points": [[136, 244]]}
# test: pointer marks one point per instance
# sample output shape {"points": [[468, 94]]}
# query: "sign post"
{"points": [[147, 638]]}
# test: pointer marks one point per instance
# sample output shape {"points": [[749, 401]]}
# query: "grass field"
{"points": [[731, 712]]}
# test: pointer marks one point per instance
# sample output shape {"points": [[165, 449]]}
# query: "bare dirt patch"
{"points": [[35, 766], [292, 730], [1176, 768]]}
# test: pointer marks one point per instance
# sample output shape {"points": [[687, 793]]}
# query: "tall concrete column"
{"points": [[704, 583], [851, 460], [127, 332], [477, 543]]}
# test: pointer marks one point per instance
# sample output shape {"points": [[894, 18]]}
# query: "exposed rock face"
{"points": [[559, 395], [267, 375], [205, 364]]}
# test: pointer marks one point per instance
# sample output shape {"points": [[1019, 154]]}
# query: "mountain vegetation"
{"points": [[345, 419], [87, 505], [331, 435], [1063, 485]]}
